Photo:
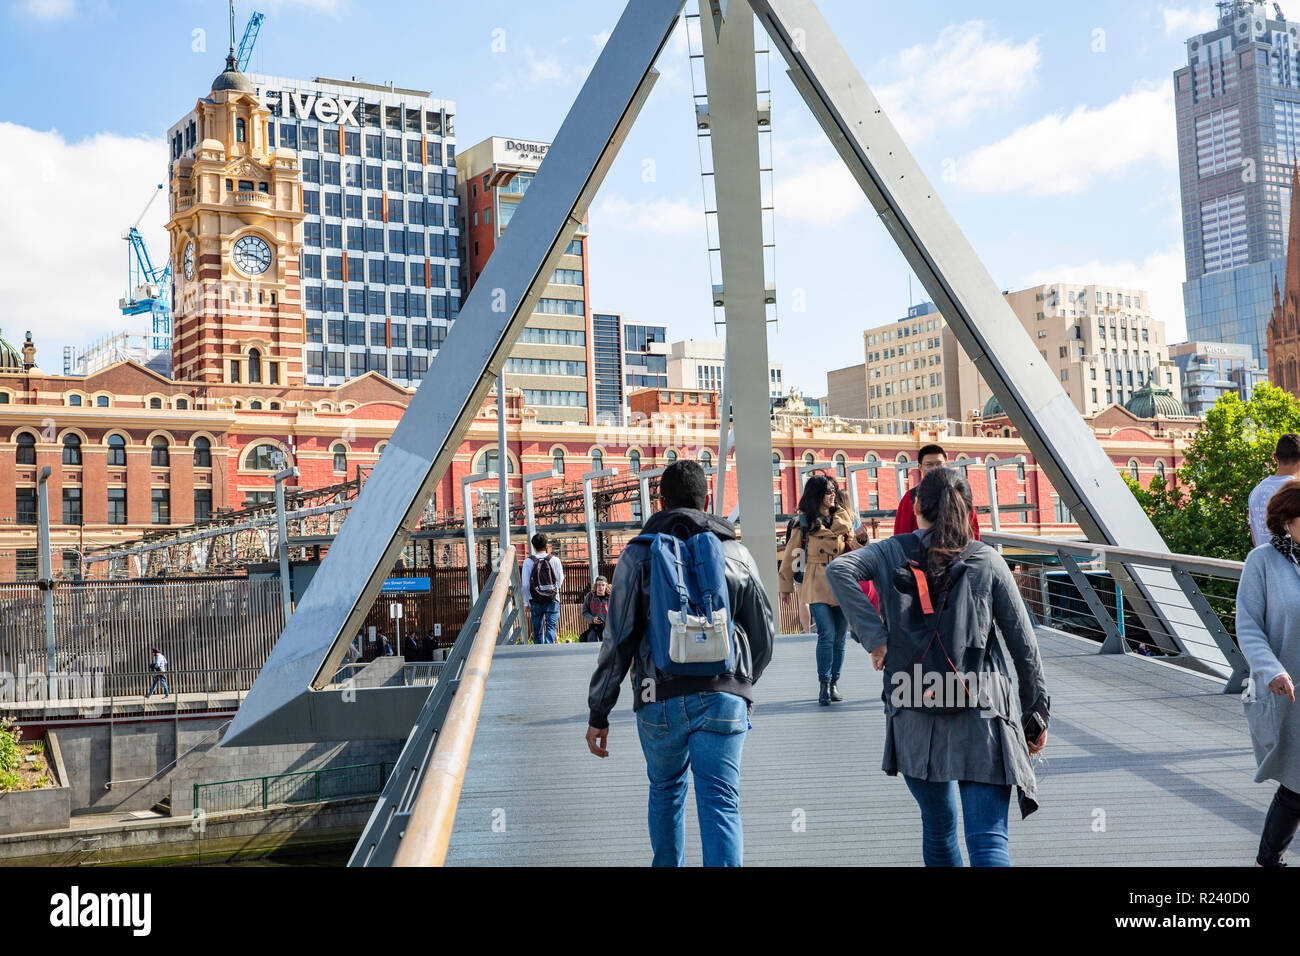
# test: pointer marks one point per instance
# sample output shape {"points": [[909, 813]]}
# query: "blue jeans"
{"points": [[546, 620], [832, 629], [706, 733], [161, 678], [984, 817]]}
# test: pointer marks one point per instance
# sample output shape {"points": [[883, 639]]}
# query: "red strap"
{"points": [[922, 588]]}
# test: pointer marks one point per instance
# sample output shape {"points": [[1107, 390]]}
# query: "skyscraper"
{"points": [[1238, 108]]}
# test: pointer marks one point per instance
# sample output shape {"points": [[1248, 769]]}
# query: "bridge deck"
{"points": [[1158, 755]]}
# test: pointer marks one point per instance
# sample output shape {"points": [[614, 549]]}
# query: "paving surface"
{"points": [[1146, 765]]}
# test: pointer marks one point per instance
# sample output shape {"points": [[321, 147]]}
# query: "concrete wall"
{"points": [[139, 750]]}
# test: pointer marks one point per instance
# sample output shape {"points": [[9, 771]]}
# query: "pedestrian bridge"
{"points": [[1147, 764]]}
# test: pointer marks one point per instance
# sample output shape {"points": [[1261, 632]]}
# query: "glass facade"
{"points": [[607, 354], [1237, 104], [381, 276]]}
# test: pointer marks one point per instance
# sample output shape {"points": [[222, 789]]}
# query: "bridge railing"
{"points": [[411, 823], [1070, 585], [295, 787]]}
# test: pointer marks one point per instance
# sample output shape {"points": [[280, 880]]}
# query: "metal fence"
{"points": [[214, 633], [298, 787]]}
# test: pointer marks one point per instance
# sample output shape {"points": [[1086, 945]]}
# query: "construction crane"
{"points": [[148, 289], [250, 37]]}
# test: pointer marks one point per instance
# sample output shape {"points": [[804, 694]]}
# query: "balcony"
{"points": [[249, 199]]}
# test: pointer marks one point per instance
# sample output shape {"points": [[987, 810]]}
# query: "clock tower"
{"points": [[236, 235]]}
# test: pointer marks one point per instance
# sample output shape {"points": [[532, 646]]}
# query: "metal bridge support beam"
{"points": [[965, 294], [589, 518], [471, 552], [643, 490], [733, 117], [1240, 668], [1114, 642]]}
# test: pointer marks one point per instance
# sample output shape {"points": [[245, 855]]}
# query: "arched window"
{"points": [[1133, 468], [71, 450], [254, 366], [634, 462], [557, 461], [809, 458], [74, 401], [706, 459], [873, 471], [1160, 469], [1006, 433], [670, 457], [158, 453], [597, 459], [117, 450], [340, 457], [26, 452], [182, 403], [841, 466], [101, 401], [255, 405], [1020, 471], [202, 453], [239, 130], [492, 464], [902, 458], [776, 464], [155, 403], [262, 458]]}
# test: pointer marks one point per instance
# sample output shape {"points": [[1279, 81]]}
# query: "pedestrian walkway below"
{"points": [[1146, 765]]}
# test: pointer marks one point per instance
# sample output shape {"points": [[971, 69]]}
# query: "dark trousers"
{"points": [[1279, 827]]}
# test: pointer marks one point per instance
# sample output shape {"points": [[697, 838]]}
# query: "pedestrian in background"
{"points": [[159, 666], [1286, 459], [823, 531], [595, 611], [543, 574]]}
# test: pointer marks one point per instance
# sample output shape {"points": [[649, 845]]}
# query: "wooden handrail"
{"points": [[424, 843]]}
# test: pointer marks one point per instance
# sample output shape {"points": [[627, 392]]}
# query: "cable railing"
{"points": [[1186, 612], [411, 824]]}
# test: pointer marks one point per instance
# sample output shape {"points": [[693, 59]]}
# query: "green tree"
{"points": [[1205, 511]]}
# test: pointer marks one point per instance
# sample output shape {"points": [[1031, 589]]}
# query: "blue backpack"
{"points": [[691, 631]]}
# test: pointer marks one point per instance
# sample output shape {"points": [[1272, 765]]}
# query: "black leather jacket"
{"points": [[629, 609]]}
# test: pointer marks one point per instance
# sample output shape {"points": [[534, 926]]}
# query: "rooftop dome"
{"points": [[10, 358], [232, 79], [1148, 402], [993, 408]]}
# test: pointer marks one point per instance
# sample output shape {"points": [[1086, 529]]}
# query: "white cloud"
{"points": [[1063, 153], [1185, 22], [46, 9], [65, 260], [1160, 275], [656, 215], [966, 71]]}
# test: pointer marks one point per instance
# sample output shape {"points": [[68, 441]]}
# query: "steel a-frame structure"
{"points": [[287, 704]]}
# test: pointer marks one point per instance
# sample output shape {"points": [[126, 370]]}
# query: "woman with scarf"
{"points": [[823, 531], [1268, 630], [595, 609]]}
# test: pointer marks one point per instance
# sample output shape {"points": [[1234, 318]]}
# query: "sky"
{"points": [[1050, 137]]}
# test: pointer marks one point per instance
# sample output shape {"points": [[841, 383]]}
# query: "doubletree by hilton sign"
{"points": [[528, 152]]}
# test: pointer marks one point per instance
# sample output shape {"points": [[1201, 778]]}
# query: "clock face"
{"points": [[252, 255], [189, 261]]}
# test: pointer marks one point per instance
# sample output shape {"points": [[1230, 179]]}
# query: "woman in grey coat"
{"points": [[982, 748], [1268, 631]]}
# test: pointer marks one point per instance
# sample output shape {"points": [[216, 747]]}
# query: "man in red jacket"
{"points": [[932, 457]]}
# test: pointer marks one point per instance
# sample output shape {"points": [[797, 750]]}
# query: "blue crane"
{"points": [[148, 288], [250, 37]]}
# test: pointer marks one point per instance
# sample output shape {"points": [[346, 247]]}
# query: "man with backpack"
{"points": [[542, 576], [158, 664], [689, 617]]}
